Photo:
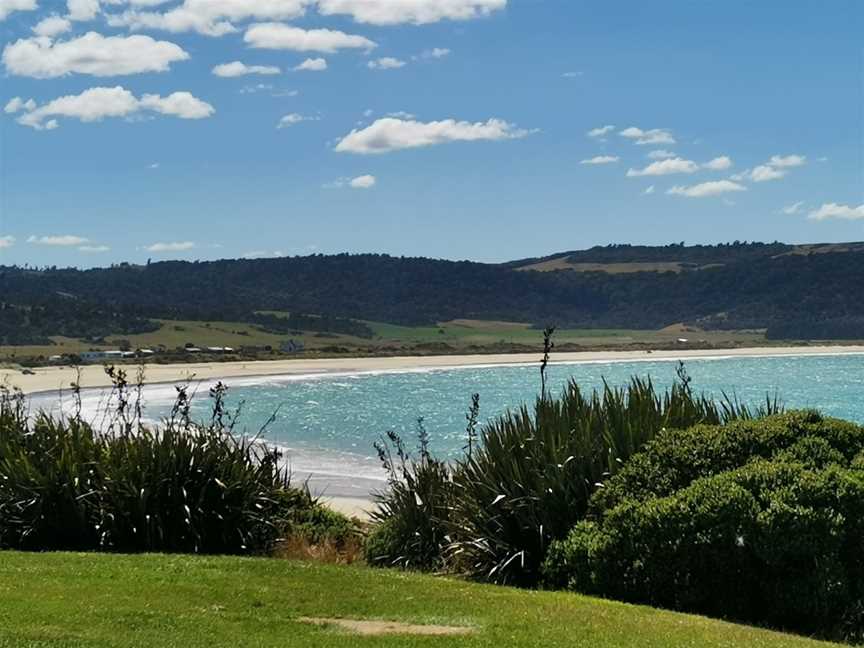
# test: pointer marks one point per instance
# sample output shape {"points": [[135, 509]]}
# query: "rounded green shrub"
{"points": [[773, 540]]}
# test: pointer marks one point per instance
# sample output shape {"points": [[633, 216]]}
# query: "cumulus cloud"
{"points": [[764, 173], [181, 246], [600, 131], [210, 17], [312, 65], [294, 118], [52, 26], [386, 63], [791, 210], [65, 240], [601, 159], [706, 189], [97, 104], [665, 167], [286, 37], [94, 249], [238, 69], [650, 190], [8, 6], [653, 136], [82, 10], [719, 163], [6, 242], [833, 210], [92, 54], [391, 134], [17, 104], [787, 161], [363, 182], [417, 12]]}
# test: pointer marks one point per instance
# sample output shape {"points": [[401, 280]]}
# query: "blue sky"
{"points": [[445, 128]]}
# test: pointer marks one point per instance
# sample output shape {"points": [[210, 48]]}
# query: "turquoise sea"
{"points": [[328, 423]]}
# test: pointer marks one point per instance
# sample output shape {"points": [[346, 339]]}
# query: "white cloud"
{"points": [[97, 104], [82, 10], [386, 63], [787, 161], [399, 114], [650, 190], [600, 131], [719, 163], [417, 12], [155, 165], [171, 247], [286, 37], [294, 118], [389, 134], [665, 167], [238, 69], [52, 26], [714, 188], [210, 17], [572, 75], [8, 6], [791, 210], [764, 173], [833, 210], [6, 242], [16, 104], [661, 154], [363, 182], [94, 249], [66, 240], [92, 54], [312, 65], [263, 254], [601, 159], [653, 136]]}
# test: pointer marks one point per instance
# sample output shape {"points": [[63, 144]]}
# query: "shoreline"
{"points": [[48, 380]]}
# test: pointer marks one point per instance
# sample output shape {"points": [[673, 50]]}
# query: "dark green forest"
{"points": [[793, 292]]}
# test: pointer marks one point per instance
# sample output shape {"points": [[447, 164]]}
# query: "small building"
{"points": [[217, 349], [100, 356]]}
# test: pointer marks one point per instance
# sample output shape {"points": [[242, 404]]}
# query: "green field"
{"points": [[458, 336], [100, 601]]}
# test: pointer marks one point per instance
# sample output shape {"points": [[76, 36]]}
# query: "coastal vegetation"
{"points": [[120, 485], [669, 498]]}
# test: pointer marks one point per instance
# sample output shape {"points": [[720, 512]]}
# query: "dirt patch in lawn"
{"points": [[374, 628]]}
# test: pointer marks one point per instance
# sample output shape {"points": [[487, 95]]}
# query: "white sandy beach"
{"points": [[59, 378]]}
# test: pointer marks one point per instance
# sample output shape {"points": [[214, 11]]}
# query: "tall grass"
{"points": [[529, 480], [180, 487]]}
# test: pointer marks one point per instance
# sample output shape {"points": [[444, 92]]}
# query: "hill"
{"points": [[54, 600], [794, 292]]}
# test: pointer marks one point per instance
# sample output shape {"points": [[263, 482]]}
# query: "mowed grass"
{"points": [[89, 601]]}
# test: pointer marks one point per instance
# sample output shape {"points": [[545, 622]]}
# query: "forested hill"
{"points": [[794, 291]]}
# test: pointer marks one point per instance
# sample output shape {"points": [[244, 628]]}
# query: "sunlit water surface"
{"points": [[328, 423]]}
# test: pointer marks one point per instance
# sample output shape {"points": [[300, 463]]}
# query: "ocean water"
{"points": [[327, 424]]}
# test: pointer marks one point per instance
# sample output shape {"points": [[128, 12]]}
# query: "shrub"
{"points": [[181, 487], [412, 514], [530, 479], [773, 541], [679, 456]]}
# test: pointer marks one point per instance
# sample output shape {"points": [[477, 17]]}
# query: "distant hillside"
{"points": [[793, 291], [616, 259]]}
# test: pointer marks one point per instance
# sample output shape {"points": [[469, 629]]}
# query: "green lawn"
{"points": [[54, 600]]}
